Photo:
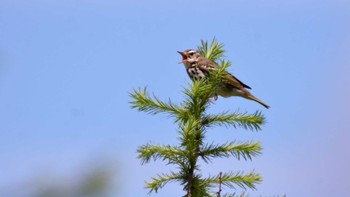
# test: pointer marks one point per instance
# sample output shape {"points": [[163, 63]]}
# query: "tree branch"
{"points": [[244, 150], [143, 102], [236, 178], [220, 182], [251, 121], [173, 154], [161, 180]]}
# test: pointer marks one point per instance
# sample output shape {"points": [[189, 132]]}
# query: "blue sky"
{"points": [[66, 68]]}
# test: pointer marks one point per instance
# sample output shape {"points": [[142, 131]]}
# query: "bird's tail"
{"points": [[251, 97]]}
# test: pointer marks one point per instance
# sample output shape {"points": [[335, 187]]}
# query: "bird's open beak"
{"points": [[184, 56]]}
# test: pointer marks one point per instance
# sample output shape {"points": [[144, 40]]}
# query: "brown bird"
{"points": [[198, 67]]}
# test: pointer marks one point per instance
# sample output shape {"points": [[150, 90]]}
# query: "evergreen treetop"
{"points": [[193, 121]]}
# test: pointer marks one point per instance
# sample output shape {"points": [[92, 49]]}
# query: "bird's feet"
{"points": [[213, 99]]}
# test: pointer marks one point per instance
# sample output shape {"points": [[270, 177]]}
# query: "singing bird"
{"points": [[199, 67]]}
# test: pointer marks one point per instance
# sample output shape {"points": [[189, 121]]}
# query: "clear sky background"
{"points": [[66, 67]]}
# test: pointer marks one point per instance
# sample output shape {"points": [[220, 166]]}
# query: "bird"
{"points": [[199, 67]]}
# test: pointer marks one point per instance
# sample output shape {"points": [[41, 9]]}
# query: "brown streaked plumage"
{"points": [[198, 67]]}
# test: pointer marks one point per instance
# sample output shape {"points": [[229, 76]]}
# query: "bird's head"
{"points": [[189, 56]]}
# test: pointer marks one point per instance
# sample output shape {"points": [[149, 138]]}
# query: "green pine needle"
{"points": [[243, 120], [171, 154], [213, 52], [158, 182], [153, 105], [234, 179], [246, 150]]}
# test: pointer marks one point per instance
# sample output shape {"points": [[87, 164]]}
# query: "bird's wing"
{"points": [[208, 65], [232, 80]]}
